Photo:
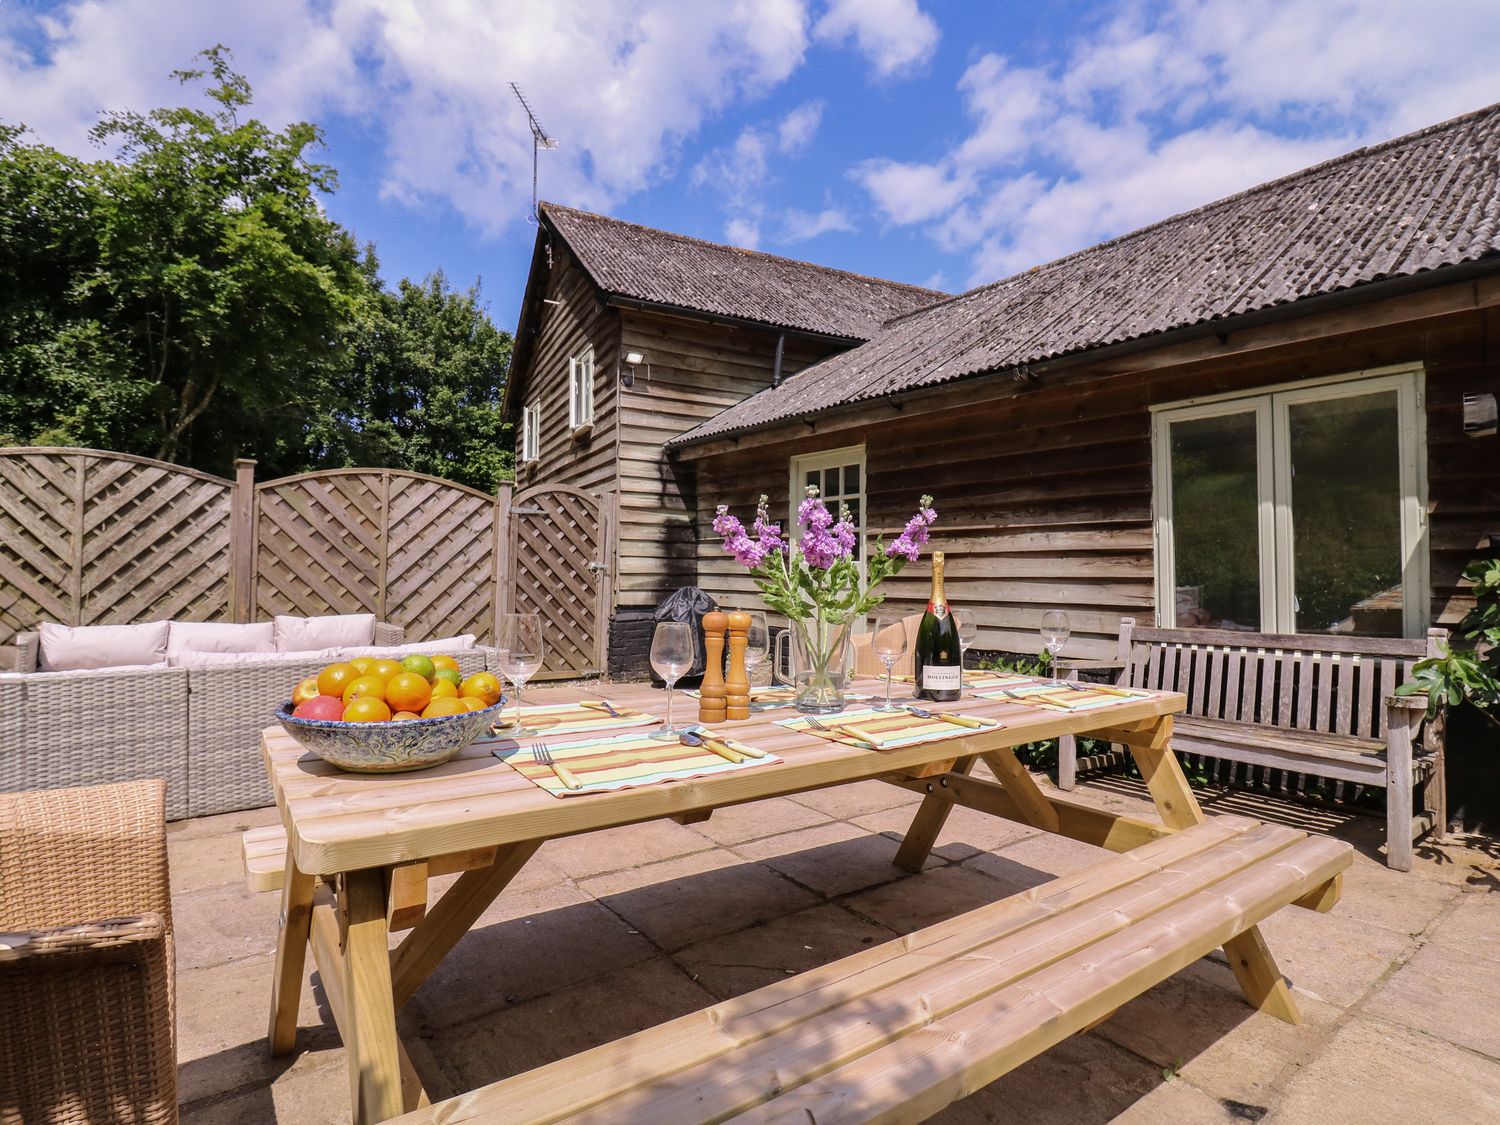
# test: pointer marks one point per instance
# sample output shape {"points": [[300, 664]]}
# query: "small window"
{"points": [[531, 418], [581, 389]]}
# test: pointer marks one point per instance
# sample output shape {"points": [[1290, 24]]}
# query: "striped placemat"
{"points": [[1065, 697], [552, 719], [976, 681], [621, 761], [882, 730], [775, 698]]}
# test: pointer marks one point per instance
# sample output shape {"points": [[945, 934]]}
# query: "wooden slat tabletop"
{"points": [[338, 822]]}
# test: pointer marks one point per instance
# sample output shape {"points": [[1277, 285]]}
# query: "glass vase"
{"points": [[820, 665]]}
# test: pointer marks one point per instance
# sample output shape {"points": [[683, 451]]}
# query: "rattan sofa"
{"points": [[196, 728], [86, 957]]}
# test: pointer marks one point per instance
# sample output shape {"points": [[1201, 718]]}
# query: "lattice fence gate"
{"points": [[559, 554]]}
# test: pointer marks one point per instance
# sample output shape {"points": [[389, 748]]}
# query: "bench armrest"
{"points": [[1406, 703], [388, 634], [34, 946], [28, 652]]}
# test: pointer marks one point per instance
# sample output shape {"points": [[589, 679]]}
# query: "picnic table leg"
{"points": [[1022, 788], [291, 953], [370, 1035], [925, 826]]}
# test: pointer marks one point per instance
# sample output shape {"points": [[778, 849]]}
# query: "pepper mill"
{"points": [[737, 682], [711, 692]]}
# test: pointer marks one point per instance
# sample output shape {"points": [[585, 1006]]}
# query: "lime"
{"points": [[452, 675], [421, 665]]}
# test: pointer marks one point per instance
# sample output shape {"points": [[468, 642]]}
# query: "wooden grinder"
{"points": [[737, 682], [711, 692]]}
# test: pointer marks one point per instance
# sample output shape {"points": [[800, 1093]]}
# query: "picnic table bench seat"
{"points": [[1310, 705], [898, 1031]]}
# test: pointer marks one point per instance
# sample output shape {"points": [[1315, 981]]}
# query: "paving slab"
{"points": [[222, 924], [1180, 1101], [750, 958], [1333, 958], [1472, 928], [594, 853], [964, 834], [1394, 900], [195, 863], [832, 859], [915, 901], [757, 820], [1445, 994], [224, 823], [681, 901], [845, 801], [1377, 1073], [312, 1089]]}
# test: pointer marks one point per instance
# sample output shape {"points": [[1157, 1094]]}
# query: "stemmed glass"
{"points": [[968, 629], [1054, 632], [521, 651], [757, 646], [671, 656], [888, 643]]}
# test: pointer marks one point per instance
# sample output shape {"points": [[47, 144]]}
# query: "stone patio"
{"points": [[603, 935]]}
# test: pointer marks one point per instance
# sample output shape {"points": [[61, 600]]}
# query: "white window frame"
{"points": [[581, 389], [828, 459], [531, 421], [1271, 408]]}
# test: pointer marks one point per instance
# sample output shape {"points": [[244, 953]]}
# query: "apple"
{"points": [[324, 707]]}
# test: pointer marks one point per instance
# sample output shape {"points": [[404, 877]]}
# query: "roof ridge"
{"points": [[547, 205], [1207, 208]]}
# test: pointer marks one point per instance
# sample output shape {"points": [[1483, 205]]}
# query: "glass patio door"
{"points": [[840, 475]]}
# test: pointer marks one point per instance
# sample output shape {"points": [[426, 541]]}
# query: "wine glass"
{"points": [[888, 643], [521, 651], [757, 645], [968, 629], [1054, 632], [671, 656]]}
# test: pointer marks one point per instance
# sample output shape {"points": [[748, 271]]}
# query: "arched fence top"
{"points": [[106, 455], [405, 474], [538, 489]]}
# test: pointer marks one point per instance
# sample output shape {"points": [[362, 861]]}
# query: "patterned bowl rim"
{"points": [[284, 714]]}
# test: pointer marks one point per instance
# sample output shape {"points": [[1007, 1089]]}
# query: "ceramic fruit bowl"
{"points": [[409, 744]]}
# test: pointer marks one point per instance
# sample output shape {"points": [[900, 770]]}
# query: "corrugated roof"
{"points": [[671, 269], [1421, 202]]}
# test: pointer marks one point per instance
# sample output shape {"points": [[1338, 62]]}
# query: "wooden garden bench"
{"points": [[898, 1031], [1315, 705]]}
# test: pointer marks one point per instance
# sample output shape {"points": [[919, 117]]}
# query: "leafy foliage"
{"points": [[1471, 675], [188, 298]]}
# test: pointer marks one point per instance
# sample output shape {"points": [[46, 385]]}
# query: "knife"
{"points": [[693, 738]]}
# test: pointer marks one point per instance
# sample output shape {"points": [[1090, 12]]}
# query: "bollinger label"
{"points": [[940, 677]]}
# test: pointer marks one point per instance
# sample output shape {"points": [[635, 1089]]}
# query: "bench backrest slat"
{"points": [[1312, 682]]}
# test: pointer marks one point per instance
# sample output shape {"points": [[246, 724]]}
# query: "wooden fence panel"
{"points": [[443, 564], [558, 556], [318, 543]]}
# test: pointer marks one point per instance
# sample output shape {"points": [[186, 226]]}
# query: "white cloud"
{"points": [[621, 85], [744, 232], [798, 128], [895, 35], [799, 226], [1153, 114]]}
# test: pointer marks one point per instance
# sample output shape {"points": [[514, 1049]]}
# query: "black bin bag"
{"points": [[687, 604]]}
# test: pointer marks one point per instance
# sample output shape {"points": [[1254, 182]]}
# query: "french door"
{"points": [[1297, 510], [839, 474]]}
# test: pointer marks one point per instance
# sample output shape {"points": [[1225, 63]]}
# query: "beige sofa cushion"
{"points": [[68, 648], [220, 637], [306, 634], [440, 646]]}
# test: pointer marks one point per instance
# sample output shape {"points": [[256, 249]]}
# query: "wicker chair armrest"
{"points": [[28, 652], [388, 634], [87, 938]]}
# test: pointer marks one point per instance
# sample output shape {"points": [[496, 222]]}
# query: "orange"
{"points": [[404, 716], [473, 703], [372, 686], [440, 707], [386, 669], [441, 662], [305, 690], [362, 664], [442, 689], [482, 685], [367, 709], [333, 679], [408, 692]]}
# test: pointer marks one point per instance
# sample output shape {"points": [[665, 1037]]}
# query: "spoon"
{"points": [[949, 717]]}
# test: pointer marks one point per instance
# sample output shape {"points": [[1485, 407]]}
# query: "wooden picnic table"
{"points": [[360, 848]]}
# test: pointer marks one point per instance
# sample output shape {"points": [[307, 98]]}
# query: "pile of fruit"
{"points": [[366, 690]]}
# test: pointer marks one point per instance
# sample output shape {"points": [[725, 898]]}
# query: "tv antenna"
{"points": [[539, 141]]}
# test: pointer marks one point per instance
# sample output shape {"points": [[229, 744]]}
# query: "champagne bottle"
{"points": [[936, 661]]}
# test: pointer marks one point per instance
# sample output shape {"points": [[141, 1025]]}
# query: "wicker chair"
{"points": [[86, 957]]}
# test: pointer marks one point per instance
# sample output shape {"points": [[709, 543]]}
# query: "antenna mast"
{"points": [[539, 141]]}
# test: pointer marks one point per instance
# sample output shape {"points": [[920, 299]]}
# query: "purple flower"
{"points": [[915, 534], [744, 549], [768, 533], [820, 547]]}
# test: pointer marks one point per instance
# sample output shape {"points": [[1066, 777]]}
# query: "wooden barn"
{"points": [[1272, 413]]}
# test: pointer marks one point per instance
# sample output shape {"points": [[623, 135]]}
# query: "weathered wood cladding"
{"points": [[696, 370], [584, 458], [1044, 492]]}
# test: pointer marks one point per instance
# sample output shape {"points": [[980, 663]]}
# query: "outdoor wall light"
{"points": [[632, 361]]}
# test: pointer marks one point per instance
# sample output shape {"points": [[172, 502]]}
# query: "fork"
{"points": [[543, 753], [830, 728]]}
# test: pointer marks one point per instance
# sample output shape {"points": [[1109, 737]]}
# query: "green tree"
{"points": [[423, 390]]}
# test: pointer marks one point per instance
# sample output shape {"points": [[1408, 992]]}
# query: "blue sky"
{"points": [[940, 142]]}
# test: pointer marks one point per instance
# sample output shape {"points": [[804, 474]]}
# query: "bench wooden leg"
{"points": [[370, 1026], [1398, 794], [1152, 750], [291, 954], [1019, 783], [1260, 980], [1067, 763], [925, 826]]}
